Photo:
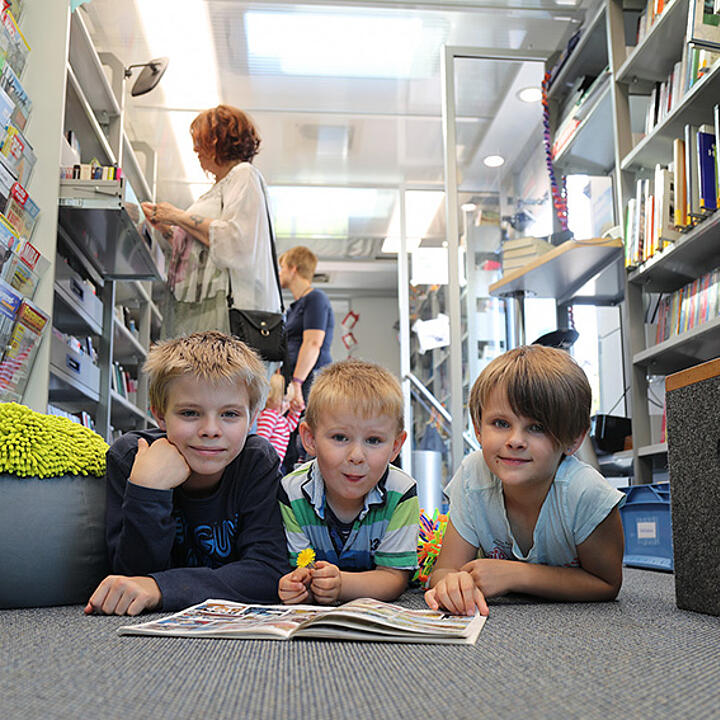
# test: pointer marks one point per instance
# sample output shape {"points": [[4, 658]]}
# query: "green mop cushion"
{"points": [[43, 446]]}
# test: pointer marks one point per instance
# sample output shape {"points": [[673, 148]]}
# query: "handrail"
{"points": [[425, 394]]}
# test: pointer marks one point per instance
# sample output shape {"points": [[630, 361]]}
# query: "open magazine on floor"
{"points": [[360, 620]]}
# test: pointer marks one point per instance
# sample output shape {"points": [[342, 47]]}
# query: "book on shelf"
{"points": [[364, 620], [665, 230], [679, 183], [631, 234], [692, 192], [707, 184]]}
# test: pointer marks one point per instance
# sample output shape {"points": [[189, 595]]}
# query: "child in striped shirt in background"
{"points": [[356, 511], [273, 423]]}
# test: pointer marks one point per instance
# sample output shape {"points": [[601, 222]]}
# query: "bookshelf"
{"points": [[636, 71], [104, 264]]}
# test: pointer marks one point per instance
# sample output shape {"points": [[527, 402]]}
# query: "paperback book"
{"points": [[364, 620]]}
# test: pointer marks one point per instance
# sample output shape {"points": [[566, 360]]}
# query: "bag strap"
{"points": [[273, 251]]}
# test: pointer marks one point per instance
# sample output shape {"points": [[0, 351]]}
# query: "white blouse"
{"points": [[239, 241]]}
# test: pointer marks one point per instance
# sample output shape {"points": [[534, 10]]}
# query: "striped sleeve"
{"points": [[398, 547], [293, 418], [297, 540], [266, 423]]}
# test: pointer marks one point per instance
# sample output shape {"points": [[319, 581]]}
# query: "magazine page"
{"points": [[226, 619], [374, 616], [364, 619]]}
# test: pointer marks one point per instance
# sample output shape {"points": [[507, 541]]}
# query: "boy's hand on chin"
{"points": [[326, 582], [121, 595], [160, 465]]}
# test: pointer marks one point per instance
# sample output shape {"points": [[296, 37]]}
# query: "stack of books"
{"points": [[521, 251]]}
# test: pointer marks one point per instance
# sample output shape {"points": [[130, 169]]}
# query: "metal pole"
{"points": [[451, 235], [404, 311]]}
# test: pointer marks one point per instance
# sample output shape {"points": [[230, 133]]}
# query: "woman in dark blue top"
{"points": [[309, 325], [310, 321]]}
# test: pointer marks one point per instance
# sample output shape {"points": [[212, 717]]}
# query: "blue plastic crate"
{"points": [[646, 523]]}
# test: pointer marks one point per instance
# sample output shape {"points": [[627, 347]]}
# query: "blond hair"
{"points": [[277, 390], [303, 259], [368, 389], [209, 356], [541, 383]]}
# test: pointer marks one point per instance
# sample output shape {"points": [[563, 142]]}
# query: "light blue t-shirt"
{"points": [[579, 499]]}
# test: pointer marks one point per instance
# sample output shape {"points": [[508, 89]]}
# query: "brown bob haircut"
{"points": [[541, 383], [303, 259], [364, 387], [209, 356], [227, 133]]}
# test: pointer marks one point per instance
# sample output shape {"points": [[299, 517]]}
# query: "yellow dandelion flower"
{"points": [[306, 558]]}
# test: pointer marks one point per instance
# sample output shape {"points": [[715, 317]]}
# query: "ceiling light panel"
{"points": [[341, 44]]}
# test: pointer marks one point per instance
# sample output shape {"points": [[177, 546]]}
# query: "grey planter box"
{"points": [[52, 540]]}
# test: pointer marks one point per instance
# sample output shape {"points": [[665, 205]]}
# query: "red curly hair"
{"points": [[226, 132]]}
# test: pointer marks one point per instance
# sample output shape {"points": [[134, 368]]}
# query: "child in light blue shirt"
{"points": [[526, 516]]}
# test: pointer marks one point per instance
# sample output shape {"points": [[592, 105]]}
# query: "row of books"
{"points": [[695, 63], [653, 10], [123, 383], [696, 303], [90, 171], [677, 197], [81, 418]]}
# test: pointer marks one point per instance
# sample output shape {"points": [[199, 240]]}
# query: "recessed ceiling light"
{"points": [[494, 160], [530, 94]]}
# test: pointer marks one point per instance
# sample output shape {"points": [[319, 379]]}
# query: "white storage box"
{"points": [[75, 365], [83, 297]]}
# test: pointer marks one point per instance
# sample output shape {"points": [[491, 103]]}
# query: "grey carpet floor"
{"points": [[639, 657]]}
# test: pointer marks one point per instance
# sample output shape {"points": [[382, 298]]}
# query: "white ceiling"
{"points": [[326, 131]]}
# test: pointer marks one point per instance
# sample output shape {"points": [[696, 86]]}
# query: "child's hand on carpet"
{"points": [[121, 595]]}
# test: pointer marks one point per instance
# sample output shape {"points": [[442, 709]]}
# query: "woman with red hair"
{"points": [[224, 235]]}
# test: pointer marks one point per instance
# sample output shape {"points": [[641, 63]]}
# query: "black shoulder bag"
{"points": [[261, 330]]}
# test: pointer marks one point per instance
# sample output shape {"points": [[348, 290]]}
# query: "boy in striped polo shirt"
{"points": [[356, 511]]}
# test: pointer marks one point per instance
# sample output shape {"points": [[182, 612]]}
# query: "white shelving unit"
{"points": [[696, 252], [100, 260]]}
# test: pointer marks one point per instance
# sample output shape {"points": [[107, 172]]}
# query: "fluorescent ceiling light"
{"points": [[530, 94], [421, 206], [324, 211], [493, 161], [341, 44]]}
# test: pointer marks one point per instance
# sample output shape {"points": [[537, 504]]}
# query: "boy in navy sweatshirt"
{"points": [[192, 507]]}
